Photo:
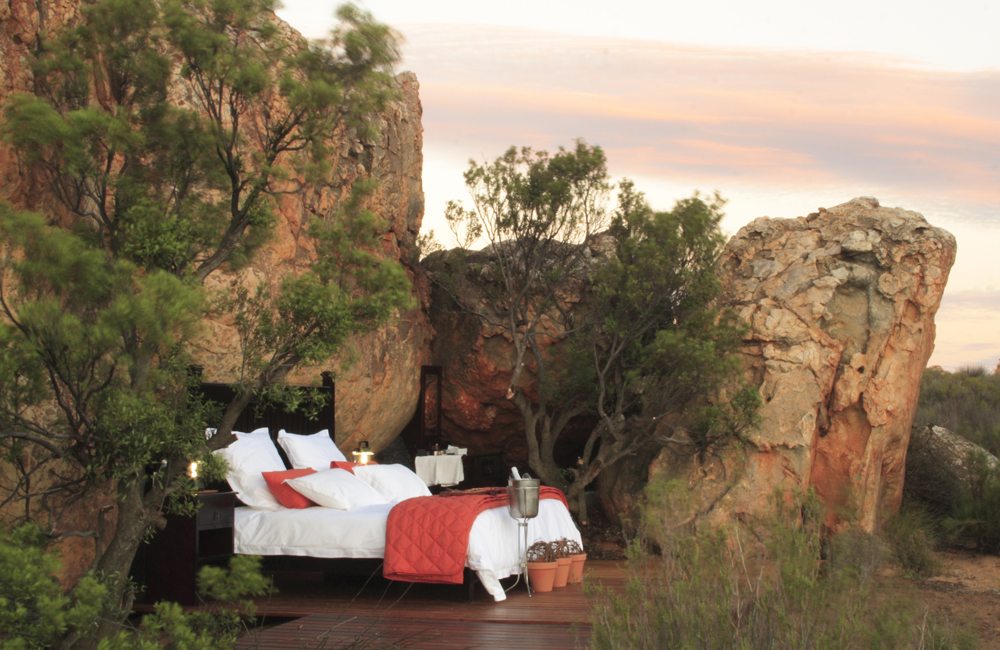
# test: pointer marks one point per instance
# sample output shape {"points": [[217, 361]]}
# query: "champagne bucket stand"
{"points": [[523, 506]]}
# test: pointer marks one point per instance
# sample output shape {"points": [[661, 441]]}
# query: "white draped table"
{"points": [[445, 470]]}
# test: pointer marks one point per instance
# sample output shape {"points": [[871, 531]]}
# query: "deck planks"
{"points": [[381, 614]]}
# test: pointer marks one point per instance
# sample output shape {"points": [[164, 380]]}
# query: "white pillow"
{"points": [[394, 482], [315, 451], [336, 488], [262, 432], [247, 458]]}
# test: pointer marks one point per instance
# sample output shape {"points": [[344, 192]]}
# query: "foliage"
{"points": [[657, 340], [966, 402], [646, 345], [976, 518], [542, 551], [218, 626], [912, 537], [34, 610], [720, 589], [164, 133], [567, 547]]}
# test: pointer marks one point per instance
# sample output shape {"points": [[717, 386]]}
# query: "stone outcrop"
{"points": [[937, 467], [378, 376], [476, 358], [840, 307]]}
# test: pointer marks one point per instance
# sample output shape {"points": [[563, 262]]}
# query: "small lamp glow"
{"points": [[193, 470], [363, 455]]}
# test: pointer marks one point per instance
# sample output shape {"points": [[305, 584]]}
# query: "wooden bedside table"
{"points": [[168, 565]]}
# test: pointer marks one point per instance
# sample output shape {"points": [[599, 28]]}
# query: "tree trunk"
{"points": [[115, 562], [576, 496]]}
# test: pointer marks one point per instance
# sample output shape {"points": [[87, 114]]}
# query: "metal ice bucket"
{"points": [[523, 495]]}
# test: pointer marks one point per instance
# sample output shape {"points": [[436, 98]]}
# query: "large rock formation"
{"points": [[378, 377], [840, 306], [937, 467], [476, 355]]}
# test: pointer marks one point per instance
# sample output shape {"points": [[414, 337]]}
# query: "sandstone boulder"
{"points": [[840, 307], [378, 376], [477, 354], [937, 466]]}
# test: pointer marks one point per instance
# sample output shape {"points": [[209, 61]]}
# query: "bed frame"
{"points": [[275, 418]]}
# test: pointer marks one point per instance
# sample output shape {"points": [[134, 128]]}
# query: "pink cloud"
{"points": [[768, 117]]}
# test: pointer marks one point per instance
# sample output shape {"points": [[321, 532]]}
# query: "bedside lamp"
{"points": [[192, 472], [363, 455]]}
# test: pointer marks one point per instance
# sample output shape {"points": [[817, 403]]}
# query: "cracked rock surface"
{"points": [[840, 306]]}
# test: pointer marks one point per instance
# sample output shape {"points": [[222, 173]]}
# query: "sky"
{"points": [[782, 106]]}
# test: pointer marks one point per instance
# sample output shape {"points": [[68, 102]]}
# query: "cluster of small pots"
{"points": [[553, 565]]}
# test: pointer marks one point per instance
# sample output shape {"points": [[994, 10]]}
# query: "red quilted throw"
{"points": [[427, 538]]}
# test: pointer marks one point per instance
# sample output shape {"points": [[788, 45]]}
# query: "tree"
{"points": [[662, 352], [164, 131], [647, 347]]}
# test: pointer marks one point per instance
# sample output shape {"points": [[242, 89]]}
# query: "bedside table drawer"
{"points": [[210, 517]]}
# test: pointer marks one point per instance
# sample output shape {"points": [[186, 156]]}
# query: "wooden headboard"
{"points": [[275, 417]]}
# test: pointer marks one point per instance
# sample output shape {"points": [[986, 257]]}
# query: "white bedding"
{"points": [[494, 545]]}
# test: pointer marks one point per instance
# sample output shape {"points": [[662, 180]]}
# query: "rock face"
{"points": [[477, 357], [378, 376], [840, 306], [937, 466]]}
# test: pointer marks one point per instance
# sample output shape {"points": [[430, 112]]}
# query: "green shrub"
{"points": [[34, 610], [966, 402], [977, 518], [912, 537], [36, 613], [759, 587]]}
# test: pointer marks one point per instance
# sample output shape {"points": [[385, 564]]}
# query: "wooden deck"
{"points": [[351, 614]]}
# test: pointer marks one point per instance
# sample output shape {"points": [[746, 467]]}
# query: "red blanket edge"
{"points": [[441, 524]]}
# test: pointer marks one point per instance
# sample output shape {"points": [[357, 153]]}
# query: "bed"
{"points": [[360, 534], [303, 498]]}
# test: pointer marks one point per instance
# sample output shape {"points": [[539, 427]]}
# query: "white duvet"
{"points": [[495, 546]]}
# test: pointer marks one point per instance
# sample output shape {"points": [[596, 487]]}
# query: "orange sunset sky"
{"points": [[782, 106]]}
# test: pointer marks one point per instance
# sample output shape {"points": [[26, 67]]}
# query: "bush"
{"points": [[966, 402], [912, 537], [34, 610], [977, 517], [36, 613], [724, 589]]}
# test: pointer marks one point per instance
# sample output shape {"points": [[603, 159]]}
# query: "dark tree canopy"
{"points": [[647, 349]]}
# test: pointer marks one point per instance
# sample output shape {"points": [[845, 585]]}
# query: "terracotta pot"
{"points": [[563, 565], [576, 569], [541, 575]]}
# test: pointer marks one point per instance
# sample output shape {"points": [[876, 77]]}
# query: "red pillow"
{"points": [[284, 494], [348, 465]]}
